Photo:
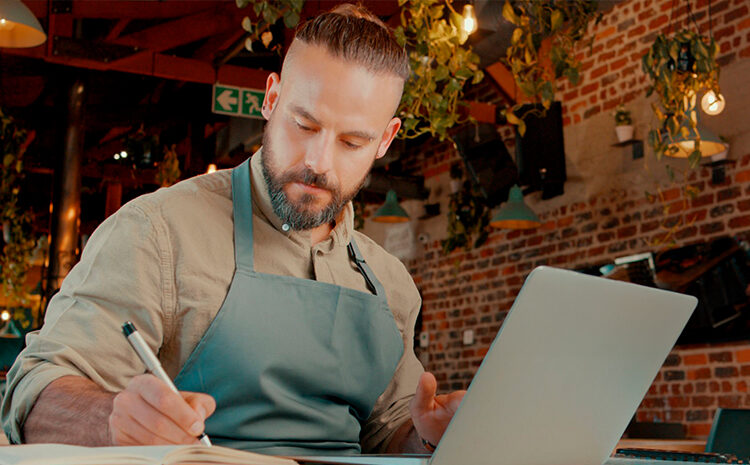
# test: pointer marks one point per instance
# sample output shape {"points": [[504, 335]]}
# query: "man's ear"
{"points": [[273, 87], [390, 132]]}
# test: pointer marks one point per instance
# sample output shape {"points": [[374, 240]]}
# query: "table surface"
{"points": [[680, 445]]}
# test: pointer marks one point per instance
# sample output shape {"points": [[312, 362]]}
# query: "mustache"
{"points": [[309, 177]]}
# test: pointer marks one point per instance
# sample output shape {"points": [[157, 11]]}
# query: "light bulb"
{"points": [[712, 104], [117, 156], [5, 315], [470, 19], [211, 168], [6, 25], [123, 154]]}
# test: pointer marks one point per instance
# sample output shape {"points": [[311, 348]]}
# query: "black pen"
{"points": [[152, 363]]}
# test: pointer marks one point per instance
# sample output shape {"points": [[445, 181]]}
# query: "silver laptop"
{"points": [[572, 362]]}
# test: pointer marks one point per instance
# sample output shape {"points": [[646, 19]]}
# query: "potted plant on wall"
{"points": [[623, 124]]}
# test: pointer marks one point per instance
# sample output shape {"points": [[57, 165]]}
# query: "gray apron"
{"points": [[295, 365]]}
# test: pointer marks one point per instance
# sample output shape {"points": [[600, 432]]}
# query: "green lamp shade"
{"points": [[391, 211], [514, 214], [19, 27], [710, 143]]}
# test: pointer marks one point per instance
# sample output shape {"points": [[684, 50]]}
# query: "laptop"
{"points": [[562, 379]]}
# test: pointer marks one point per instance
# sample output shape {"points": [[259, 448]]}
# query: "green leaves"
{"points": [[432, 99], [677, 90], [561, 26], [268, 13]]}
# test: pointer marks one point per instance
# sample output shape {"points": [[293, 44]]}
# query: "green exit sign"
{"points": [[237, 101]]}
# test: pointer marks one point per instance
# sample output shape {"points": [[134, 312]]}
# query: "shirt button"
{"points": [[285, 227]]}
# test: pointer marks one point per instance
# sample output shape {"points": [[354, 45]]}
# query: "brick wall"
{"points": [[612, 74], [604, 214]]}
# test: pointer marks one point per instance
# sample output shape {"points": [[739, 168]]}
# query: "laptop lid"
{"points": [[572, 362]]}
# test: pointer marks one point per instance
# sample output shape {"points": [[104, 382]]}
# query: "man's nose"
{"points": [[319, 156]]}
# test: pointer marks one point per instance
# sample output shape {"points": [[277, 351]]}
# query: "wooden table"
{"points": [[679, 445]]}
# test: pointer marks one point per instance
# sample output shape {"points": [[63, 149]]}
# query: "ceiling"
{"points": [[150, 64]]}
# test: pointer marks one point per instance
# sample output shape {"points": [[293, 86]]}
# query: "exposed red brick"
{"points": [[724, 32], [617, 64], [600, 71], [656, 22], [743, 356], [745, 52], [635, 32], [740, 222], [735, 14], [699, 429], [744, 24], [695, 359], [605, 33]]}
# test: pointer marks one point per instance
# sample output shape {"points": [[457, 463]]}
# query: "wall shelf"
{"points": [[637, 147]]}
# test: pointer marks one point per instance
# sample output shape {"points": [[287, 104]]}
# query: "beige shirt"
{"points": [[165, 261]]}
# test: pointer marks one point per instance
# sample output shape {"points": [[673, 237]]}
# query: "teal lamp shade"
{"points": [[391, 211], [710, 142], [19, 28], [514, 214]]}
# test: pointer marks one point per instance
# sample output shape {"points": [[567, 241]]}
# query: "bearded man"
{"points": [[285, 330]]}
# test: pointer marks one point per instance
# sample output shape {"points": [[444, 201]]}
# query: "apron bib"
{"points": [[295, 365]]}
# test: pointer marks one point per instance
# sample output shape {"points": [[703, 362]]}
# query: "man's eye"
{"points": [[351, 145], [303, 127]]}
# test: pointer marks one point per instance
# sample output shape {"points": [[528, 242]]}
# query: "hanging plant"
{"points": [[18, 241], [679, 67], [168, 171], [268, 12], [468, 220], [559, 25], [432, 32]]}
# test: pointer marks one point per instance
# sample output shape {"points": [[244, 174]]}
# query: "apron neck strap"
{"points": [[243, 217], [242, 204], [372, 282]]}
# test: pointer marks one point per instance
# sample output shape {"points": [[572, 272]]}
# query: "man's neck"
{"points": [[319, 234]]}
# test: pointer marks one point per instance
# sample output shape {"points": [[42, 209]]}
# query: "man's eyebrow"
{"points": [[306, 114]]}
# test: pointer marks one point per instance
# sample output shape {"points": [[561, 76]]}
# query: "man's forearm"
{"points": [[70, 410], [406, 440]]}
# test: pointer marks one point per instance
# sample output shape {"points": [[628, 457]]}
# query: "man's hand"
{"points": [[148, 412], [430, 413]]}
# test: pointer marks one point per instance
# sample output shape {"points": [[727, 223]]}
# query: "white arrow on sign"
{"points": [[226, 100]]}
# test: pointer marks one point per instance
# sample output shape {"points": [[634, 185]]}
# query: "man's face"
{"points": [[328, 122]]}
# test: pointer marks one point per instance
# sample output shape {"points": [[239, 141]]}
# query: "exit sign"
{"points": [[237, 101]]}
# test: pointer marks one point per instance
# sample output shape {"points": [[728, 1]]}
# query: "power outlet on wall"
{"points": [[424, 340], [468, 337]]}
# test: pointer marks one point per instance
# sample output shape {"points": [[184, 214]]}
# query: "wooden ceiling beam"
{"points": [[185, 30], [140, 9]]}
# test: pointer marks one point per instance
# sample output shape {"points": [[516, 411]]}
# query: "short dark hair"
{"points": [[353, 33]]}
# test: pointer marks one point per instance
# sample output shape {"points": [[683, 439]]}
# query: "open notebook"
{"points": [[572, 362], [60, 454]]}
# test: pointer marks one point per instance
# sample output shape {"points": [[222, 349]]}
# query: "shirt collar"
{"points": [[339, 237]]}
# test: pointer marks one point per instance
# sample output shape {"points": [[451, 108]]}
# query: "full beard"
{"points": [[301, 214]]}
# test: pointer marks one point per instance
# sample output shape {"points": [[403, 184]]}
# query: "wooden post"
{"points": [[66, 211], [114, 198]]}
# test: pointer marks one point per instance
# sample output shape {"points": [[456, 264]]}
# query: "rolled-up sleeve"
{"points": [[125, 273]]}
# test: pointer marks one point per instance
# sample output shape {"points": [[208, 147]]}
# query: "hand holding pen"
{"points": [[152, 411]]}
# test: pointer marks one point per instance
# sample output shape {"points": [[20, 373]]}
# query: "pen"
{"points": [[152, 363]]}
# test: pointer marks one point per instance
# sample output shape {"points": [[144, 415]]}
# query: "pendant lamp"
{"points": [[710, 143], [391, 211], [19, 28], [515, 214]]}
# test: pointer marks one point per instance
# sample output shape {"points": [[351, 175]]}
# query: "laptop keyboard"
{"points": [[673, 456]]}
